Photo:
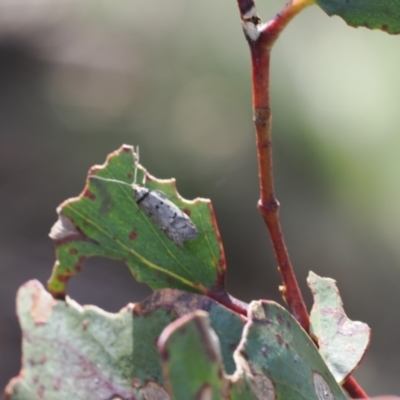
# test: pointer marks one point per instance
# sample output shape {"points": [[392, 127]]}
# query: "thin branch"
{"points": [[354, 390], [261, 38]]}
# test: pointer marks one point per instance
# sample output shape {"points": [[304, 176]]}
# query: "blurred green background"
{"points": [[80, 78]]}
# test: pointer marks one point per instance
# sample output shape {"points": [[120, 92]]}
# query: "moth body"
{"points": [[165, 214]]}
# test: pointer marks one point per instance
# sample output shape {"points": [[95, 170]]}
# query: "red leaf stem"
{"points": [[353, 389]]}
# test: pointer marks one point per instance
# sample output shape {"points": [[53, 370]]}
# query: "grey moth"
{"points": [[165, 214]]}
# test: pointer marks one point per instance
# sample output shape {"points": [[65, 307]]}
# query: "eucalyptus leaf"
{"points": [[192, 363], [342, 342], [83, 352], [274, 346], [106, 220], [373, 14]]}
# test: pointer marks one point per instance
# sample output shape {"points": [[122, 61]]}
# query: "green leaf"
{"points": [[342, 342], [174, 303], [192, 363], [275, 346], [373, 14], [95, 355], [105, 220]]}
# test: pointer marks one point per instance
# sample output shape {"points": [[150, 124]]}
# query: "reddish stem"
{"points": [[261, 38], [354, 390], [268, 205]]}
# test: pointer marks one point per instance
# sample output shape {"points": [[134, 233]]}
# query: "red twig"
{"points": [[354, 389], [261, 38]]}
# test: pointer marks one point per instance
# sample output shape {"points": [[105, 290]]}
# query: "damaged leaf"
{"points": [[342, 342], [192, 363], [376, 14], [95, 355], [275, 346], [107, 220]]}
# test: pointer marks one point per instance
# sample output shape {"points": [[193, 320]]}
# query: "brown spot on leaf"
{"points": [[63, 277], [133, 235], [129, 175], [87, 193], [385, 27], [170, 280], [187, 212], [279, 338], [72, 251], [233, 346]]}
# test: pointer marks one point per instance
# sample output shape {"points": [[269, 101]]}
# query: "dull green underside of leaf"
{"points": [[275, 360], [376, 14], [105, 220], [192, 363], [274, 345], [342, 342], [95, 355], [85, 351]]}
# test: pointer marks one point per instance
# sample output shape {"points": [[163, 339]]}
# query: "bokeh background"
{"points": [[80, 78]]}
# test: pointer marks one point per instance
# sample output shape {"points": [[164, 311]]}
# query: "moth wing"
{"points": [[175, 236], [184, 226], [161, 194], [157, 209]]}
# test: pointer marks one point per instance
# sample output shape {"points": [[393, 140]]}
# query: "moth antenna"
{"points": [[108, 180], [136, 156]]}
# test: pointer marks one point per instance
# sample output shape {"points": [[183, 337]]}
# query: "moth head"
{"points": [[139, 192]]}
